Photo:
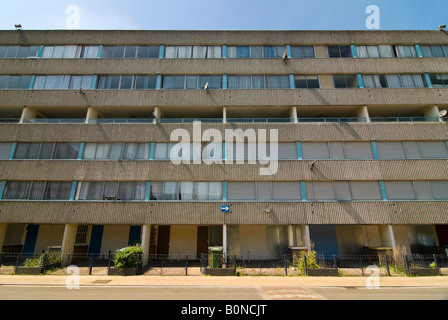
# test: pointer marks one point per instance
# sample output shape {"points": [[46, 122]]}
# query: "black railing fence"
{"points": [[53, 262]]}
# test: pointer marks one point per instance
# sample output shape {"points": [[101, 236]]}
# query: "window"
{"points": [[343, 191], [264, 191], [382, 51], [416, 190], [15, 82], [434, 51], [246, 151], [394, 81], [340, 52], [130, 52], [72, 51], [302, 52], [113, 190], [67, 151], [345, 81], [16, 52], [405, 51], [187, 52], [191, 82], [126, 82], [63, 82], [306, 82], [186, 190], [337, 150], [258, 82], [255, 51], [116, 151], [412, 150], [37, 190], [439, 80], [5, 150]]}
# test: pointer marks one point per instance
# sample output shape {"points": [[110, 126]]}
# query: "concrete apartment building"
{"points": [[86, 120]]}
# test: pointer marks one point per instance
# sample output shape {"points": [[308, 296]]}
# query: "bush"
{"points": [[310, 261], [52, 258], [127, 257]]}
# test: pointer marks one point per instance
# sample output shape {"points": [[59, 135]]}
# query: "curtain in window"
{"points": [[214, 191], [161, 151], [17, 190], [70, 52], [315, 150], [5, 150], [37, 190], [426, 51], [90, 52], [186, 190], [386, 51], [399, 190], [406, 51], [286, 191], [393, 81], [365, 190], [199, 52], [170, 190], [258, 82], [371, 81], [391, 150], [173, 82], [102, 151], [277, 82], [256, 52]]}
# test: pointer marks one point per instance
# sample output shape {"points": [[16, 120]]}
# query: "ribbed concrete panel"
{"points": [[222, 66], [328, 170], [286, 132], [234, 97], [156, 37], [210, 213]]}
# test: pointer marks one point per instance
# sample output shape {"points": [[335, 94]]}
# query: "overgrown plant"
{"points": [[310, 261], [127, 257], [52, 258]]}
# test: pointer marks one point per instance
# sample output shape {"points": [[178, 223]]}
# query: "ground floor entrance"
{"points": [[261, 241]]}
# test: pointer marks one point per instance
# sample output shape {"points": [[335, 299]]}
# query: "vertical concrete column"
{"points": [[306, 236], [3, 228], [363, 113], [291, 236], [293, 114], [399, 239], [92, 114], [68, 243], [224, 243], [157, 114], [29, 113], [224, 115], [146, 239]]}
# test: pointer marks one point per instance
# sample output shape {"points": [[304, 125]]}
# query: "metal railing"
{"points": [[53, 262], [220, 120]]}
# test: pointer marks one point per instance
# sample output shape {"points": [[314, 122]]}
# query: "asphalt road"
{"points": [[218, 293]]}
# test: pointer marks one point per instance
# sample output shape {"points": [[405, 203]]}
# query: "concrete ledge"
{"points": [[219, 272], [323, 272], [424, 272]]}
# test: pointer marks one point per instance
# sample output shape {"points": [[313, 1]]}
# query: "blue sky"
{"points": [[224, 15]]}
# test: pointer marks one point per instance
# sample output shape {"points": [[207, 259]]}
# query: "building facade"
{"points": [[90, 122]]}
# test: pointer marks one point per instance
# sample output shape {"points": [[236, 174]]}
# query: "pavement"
{"points": [[199, 280]]}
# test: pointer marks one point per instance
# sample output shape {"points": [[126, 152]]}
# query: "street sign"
{"points": [[225, 208]]}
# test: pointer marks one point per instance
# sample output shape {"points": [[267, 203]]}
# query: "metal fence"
{"points": [[254, 265]]}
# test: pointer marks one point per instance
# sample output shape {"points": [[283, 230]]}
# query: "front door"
{"points": [[202, 241], [163, 240]]}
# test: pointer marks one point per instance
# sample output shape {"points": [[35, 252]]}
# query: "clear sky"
{"points": [[222, 15]]}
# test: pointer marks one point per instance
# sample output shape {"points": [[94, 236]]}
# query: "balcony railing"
{"points": [[219, 120]]}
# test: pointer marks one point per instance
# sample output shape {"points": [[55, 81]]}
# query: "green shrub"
{"points": [[52, 258], [127, 257], [310, 261]]}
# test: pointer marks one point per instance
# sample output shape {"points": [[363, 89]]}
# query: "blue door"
{"points": [[30, 240], [134, 235], [95, 241], [325, 239]]}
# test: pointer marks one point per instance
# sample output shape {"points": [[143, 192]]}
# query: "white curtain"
{"points": [[214, 191], [385, 51], [393, 81]]}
